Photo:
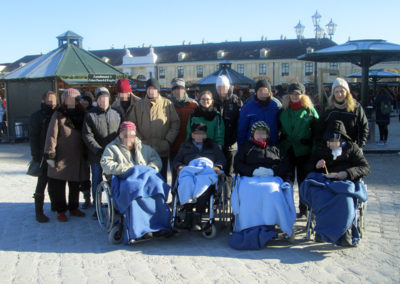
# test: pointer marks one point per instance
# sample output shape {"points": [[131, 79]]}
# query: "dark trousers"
{"points": [[202, 201], [383, 132], [164, 169], [172, 156], [58, 187], [41, 187], [298, 163], [229, 156]]}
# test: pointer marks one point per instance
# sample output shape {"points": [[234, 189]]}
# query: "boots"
{"points": [[187, 222], [86, 196], [196, 223], [40, 217]]}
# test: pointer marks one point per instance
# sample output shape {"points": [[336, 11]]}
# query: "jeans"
{"points": [[97, 178]]}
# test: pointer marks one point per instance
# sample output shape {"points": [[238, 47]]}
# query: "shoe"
{"points": [[146, 236], [86, 205], [196, 222], [94, 216], [318, 239], [41, 218], [61, 217], [301, 215], [77, 213], [161, 233]]}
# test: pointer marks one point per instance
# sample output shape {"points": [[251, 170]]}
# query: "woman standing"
{"points": [[206, 114], [383, 108], [297, 121], [64, 152], [342, 106]]}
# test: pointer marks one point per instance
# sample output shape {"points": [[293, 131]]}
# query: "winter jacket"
{"points": [[39, 123], [127, 115], [184, 109], [189, 152], [251, 156], [355, 122], [230, 112], [297, 130], [100, 127], [214, 123], [64, 145], [157, 123], [383, 101], [254, 111], [117, 159]]}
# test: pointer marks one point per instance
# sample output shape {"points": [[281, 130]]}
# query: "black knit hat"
{"points": [[153, 83], [259, 125], [263, 84], [198, 127]]}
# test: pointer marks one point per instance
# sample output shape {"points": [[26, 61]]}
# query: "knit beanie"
{"points": [[153, 83], [123, 86], [340, 82], [177, 82], [127, 125], [263, 84], [198, 127], [101, 91], [70, 92], [259, 125], [222, 80]]}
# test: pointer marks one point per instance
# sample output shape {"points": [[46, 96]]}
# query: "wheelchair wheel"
{"points": [[104, 206], [210, 232], [115, 235]]}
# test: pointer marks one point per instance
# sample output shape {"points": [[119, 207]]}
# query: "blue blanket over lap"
{"points": [[140, 195], [333, 203]]}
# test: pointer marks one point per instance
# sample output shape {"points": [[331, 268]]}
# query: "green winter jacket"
{"points": [[297, 130]]}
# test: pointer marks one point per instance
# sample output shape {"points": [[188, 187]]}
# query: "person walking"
{"points": [[383, 107], [39, 123]]}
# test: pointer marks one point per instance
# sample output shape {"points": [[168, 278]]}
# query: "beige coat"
{"points": [[117, 159], [129, 114], [157, 123], [64, 144]]}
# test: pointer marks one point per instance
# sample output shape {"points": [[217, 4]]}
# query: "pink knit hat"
{"points": [[127, 125]]}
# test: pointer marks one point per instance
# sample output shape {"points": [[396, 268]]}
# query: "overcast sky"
{"points": [[30, 27]]}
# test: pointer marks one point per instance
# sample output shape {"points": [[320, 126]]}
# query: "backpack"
{"points": [[386, 107]]}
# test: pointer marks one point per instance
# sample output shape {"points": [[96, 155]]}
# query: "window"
{"points": [[263, 53], [181, 73], [240, 68], [334, 65], [161, 73], [217, 67], [285, 69], [220, 54], [262, 69], [309, 68], [181, 56], [199, 69]]}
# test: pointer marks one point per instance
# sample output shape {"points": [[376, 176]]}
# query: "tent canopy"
{"points": [[375, 73]]}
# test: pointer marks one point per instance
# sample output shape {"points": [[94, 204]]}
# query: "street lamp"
{"points": [[318, 30], [331, 27], [299, 28]]}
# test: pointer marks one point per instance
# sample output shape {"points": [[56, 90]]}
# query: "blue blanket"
{"points": [[333, 203], [194, 180], [259, 203], [140, 195]]}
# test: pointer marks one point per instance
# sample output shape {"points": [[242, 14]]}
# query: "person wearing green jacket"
{"points": [[297, 123], [207, 114]]}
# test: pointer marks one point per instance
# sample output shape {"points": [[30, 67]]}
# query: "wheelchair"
{"points": [[110, 220], [218, 209], [359, 220]]}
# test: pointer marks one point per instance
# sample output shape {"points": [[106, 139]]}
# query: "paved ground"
{"points": [[78, 252]]}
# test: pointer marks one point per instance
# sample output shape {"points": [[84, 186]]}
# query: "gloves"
{"points": [[51, 163], [263, 172]]}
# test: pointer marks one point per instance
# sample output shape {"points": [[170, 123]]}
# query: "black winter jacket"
{"points": [[188, 152], [351, 160], [230, 112], [251, 156], [356, 123], [100, 128]]}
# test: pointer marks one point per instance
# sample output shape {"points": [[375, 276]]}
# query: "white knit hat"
{"points": [[340, 82], [222, 80]]}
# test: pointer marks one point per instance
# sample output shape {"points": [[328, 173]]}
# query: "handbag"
{"points": [[34, 168]]}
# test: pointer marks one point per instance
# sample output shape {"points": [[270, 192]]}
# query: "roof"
{"points": [[66, 61], [69, 34], [234, 77], [378, 73]]}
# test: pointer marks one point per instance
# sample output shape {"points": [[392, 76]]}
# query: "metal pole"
{"points": [[364, 86], [315, 79]]}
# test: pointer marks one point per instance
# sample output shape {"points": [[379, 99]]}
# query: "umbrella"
{"points": [[364, 53]]}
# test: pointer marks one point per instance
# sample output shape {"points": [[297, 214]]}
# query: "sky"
{"points": [[31, 27]]}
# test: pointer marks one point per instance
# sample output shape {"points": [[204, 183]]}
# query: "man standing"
{"points": [[229, 105], [125, 100], [184, 106], [157, 122], [263, 107], [39, 122], [100, 127]]}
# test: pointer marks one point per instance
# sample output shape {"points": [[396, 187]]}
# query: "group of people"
{"points": [[265, 137]]}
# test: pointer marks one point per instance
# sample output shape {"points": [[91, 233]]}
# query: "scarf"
{"points": [[261, 144], [207, 113], [342, 105], [295, 106]]}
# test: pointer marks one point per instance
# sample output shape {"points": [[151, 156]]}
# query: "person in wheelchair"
{"points": [[198, 152], [333, 188], [262, 196], [138, 190]]}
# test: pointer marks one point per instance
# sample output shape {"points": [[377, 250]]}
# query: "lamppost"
{"points": [[331, 27], [318, 30], [299, 28]]}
